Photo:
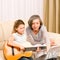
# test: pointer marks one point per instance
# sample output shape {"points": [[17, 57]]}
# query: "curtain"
{"points": [[51, 14], [20, 9]]}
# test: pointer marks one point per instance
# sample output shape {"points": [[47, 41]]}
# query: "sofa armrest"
{"points": [[54, 38], [2, 45]]}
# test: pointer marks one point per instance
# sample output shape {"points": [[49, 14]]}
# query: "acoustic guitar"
{"points": [[12, 53]]}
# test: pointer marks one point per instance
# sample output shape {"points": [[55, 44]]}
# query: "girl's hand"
{"points": [[22, 48]]}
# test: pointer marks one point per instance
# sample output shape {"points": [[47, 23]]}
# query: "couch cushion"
{"points": [[1, 36], [1, 55], [2, 45], [54, 37], [7, 28]]}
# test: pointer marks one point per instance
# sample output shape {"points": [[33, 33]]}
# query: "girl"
{"points": [[37, 34], [18, 38]]}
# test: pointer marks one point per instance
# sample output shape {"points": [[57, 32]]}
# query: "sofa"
{"points": [[6, 29]]}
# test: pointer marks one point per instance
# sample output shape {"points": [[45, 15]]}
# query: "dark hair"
{"points": [[16, 24], [33, 17]]}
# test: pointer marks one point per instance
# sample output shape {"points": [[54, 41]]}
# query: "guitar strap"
{"points": [[12, 50]]}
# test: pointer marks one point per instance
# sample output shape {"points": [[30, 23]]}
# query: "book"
{"points": [[34, 47]]}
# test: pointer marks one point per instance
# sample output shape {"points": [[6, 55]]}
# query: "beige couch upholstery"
{"points": [[5, 32]]}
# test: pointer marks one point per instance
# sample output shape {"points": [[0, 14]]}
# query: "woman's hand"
{"points": [[52, 42], [38, 49]]}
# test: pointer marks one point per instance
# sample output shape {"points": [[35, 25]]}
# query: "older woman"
{"points": [[37, 34]]}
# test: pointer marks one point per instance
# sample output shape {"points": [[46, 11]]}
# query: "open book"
{"points": [[34, 47]]}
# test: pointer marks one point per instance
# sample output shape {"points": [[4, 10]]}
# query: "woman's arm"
{"points": [[45, 37]]}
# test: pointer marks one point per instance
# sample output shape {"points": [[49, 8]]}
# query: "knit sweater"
{"points": [[39, 38]]}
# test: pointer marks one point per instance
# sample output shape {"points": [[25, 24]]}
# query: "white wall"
{"points": [[23, 9]]}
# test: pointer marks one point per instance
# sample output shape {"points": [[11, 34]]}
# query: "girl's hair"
{"points": [[16, 25], [33, 17]]}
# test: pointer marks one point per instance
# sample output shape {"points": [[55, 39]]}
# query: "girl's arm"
{"points": [[13, 43]]}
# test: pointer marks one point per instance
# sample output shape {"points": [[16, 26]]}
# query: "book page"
{"points": [[40, 45]]}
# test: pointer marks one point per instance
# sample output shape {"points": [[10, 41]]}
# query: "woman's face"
{"points": [[20, 29], [35, 24]]}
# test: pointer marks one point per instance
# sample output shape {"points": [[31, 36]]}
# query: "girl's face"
{"points": [[36, 24], [20, 29]]}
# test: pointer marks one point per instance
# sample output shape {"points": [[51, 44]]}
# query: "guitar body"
{"points": [[17, 54]]}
